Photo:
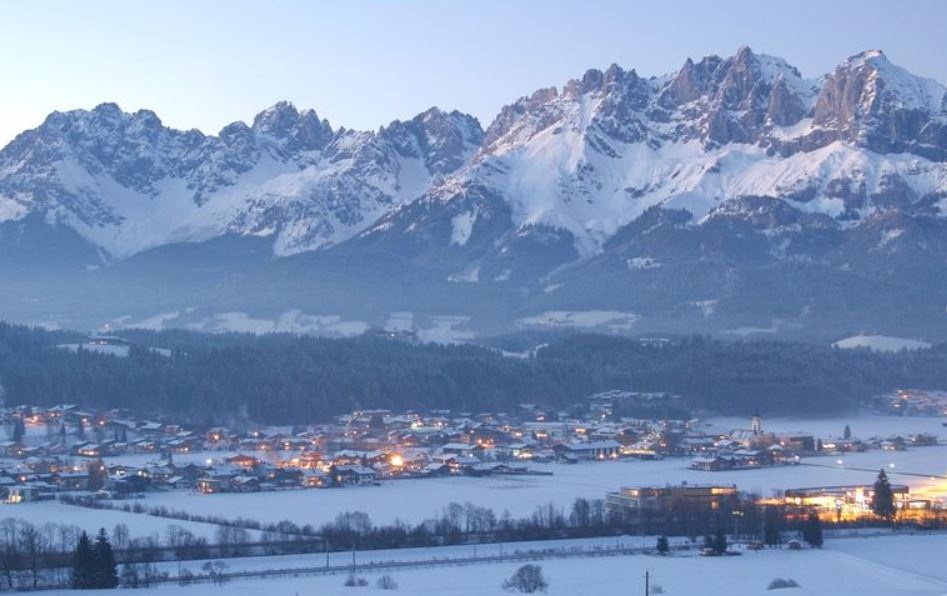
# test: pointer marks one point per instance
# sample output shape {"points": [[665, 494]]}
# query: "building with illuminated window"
{"points": [[656, 500]]}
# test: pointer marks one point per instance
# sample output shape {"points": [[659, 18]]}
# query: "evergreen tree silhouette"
{"points": [[720, 541], [663, 546], [19, 430], [83, 563], [882, 501], [812, 531], [105, 571], [772, 523], [98, 474]]}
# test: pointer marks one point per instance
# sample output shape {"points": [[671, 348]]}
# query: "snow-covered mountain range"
{"points": [[733, 194], [126, 183]]}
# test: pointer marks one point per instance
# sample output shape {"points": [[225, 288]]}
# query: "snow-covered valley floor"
{"points": [[909, 565], [412, 501], [864, 566], [416, 500]]}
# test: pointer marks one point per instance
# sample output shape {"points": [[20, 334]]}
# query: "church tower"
{"points": [[757, 424]]}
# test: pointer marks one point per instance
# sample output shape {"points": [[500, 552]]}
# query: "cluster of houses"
{"points": [[912, 402], [35, 479], [66, 430], [754, 447], [65, 448]]}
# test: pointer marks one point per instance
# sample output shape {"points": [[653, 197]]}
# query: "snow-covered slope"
{"points": [[126, 183], [596, 155], [881, 343], [732, 194]]}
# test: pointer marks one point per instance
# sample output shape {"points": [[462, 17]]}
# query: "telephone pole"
{"points": [[647, 583]]}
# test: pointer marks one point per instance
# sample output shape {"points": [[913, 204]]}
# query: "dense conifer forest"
{"points": [[289, 379]]}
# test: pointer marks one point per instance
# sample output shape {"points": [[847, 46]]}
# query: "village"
{"points": [[67, 450], [617, 468]]}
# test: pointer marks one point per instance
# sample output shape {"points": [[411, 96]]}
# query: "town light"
{"points": [[396, 460]]}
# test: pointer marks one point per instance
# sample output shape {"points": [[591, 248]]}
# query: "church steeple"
{"points": [[757, 424]]}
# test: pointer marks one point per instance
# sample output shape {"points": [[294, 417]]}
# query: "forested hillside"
{"points": [[287, 378]]}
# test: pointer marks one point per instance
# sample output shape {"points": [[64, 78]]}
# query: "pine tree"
{"points": [[847, 433], [98, 474], [663, 546], [882, 500], [83, 564], [771, 526], [19, 430], [105, 572], [812, 531], [720, 542]]}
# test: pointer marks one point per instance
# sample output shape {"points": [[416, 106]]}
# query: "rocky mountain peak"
{"points": [[108, 113], [735, 99], [872, 57], [277, 119], [873, 102], [532, 107], [587, 157], [301, 131], [691, 82], [235, 130], [439, 123], [443, 140]]}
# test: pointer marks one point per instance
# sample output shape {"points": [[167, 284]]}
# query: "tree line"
{"points": [[281, 378]]}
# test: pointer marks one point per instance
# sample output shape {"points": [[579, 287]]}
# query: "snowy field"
{"points": [[90, 520], [903, 565], [610, 320], [881, 343], [416, 500]]}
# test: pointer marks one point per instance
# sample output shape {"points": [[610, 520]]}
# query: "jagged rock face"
{"points": [[735, 100], [130, 148], [299, 131], [442, 140], [784, 107], [871, 102], [289, 175], [594, 156], [616, 189], [587, 159]]}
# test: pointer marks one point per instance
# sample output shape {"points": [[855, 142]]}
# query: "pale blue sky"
{"points": [[362, 64]]}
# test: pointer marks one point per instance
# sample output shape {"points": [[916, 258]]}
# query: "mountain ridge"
{"points": [[734, 173]]}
